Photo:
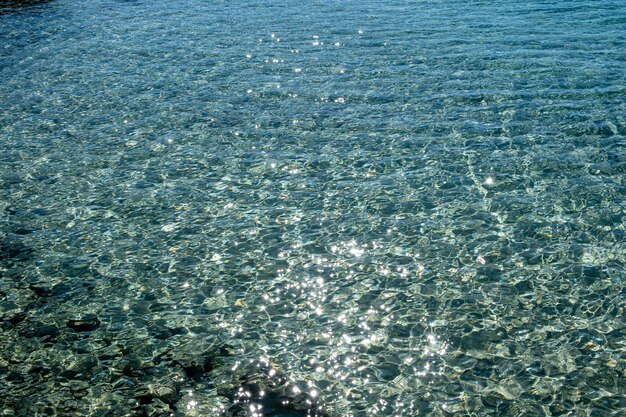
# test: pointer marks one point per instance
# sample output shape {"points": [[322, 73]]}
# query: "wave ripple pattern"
{"points": [[324, 208]]}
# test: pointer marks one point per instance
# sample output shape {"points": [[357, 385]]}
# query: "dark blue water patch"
{"points": [[13, 250], [21, 6]]}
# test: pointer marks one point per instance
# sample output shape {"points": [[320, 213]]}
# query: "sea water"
{"points": [[337, 208]]}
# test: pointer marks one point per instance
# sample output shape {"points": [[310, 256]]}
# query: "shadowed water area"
{"points": [[337, 209]]}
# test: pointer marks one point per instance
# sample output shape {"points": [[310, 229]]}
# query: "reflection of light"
{"points": [[255, 410], [489, 181], [357, 252]]}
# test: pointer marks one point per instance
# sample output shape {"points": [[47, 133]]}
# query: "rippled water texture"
{"points": [[313, 208]]}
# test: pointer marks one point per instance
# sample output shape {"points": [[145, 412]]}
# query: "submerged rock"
{"points": [[157, 408], [12, 250], [62, 290], [39, 330], [87, 323]]}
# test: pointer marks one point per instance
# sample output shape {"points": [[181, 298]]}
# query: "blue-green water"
{"points": [[356, 208]]}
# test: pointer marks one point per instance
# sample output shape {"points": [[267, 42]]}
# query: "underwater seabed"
{"points": [[248, 209], [91, 364]]}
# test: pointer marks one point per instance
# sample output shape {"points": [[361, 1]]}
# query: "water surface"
{"points": [[359, 208]]}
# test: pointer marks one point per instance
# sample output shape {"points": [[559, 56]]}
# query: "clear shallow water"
{"points": [[363, 209]]}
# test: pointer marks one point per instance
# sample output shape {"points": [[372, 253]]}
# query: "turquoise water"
{"points": [[324, 208]]}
